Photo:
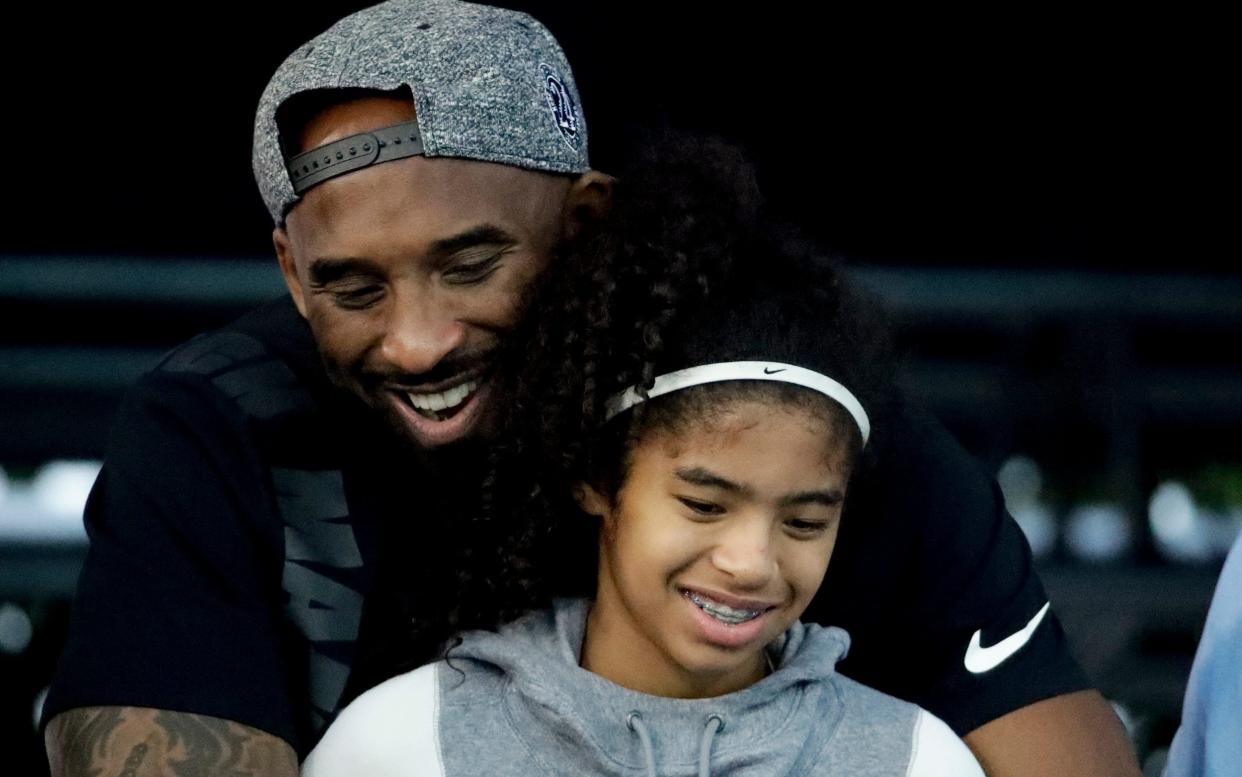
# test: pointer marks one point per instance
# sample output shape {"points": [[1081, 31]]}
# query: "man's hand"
{"points": [[142, 742], [1074, 734]]}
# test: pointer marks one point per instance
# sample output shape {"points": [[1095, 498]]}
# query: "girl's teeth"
{"points": [[723, 612]]}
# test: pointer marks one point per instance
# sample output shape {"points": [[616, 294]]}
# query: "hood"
{"points": [[577, 722]]}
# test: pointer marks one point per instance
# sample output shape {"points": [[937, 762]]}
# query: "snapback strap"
{"points": [[353, 153]]}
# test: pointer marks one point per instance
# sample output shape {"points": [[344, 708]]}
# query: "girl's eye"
{"points": [[805, 528], [701, 507]]}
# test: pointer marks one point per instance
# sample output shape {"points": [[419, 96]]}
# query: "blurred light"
{"points": [[16, 629], [1156, 762], [1098, 532], [1178, 529], [1020, 481], [4, 485], [61, 487], [1039, 526], [1126, 717], [39, 700], [1223, 529]]}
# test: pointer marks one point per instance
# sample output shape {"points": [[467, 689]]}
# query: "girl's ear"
{"points": [[591, 501]]}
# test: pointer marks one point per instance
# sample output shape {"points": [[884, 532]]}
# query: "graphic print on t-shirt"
{"points": [[320, 547], [319, 539]]}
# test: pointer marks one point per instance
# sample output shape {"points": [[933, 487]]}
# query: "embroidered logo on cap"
{"points": [[564, 109]]}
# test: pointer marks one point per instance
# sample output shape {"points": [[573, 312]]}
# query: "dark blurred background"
{"points": [[1013, 138], [1039, 196]]}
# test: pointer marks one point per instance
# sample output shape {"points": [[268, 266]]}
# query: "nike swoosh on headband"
{"points": [[981, 659], [722, 371]]}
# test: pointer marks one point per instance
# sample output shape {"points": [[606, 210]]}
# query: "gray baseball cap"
{"points": [[488, 84]]}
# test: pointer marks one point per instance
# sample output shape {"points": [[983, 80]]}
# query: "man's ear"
{"points": [[588, 201], [289, 268], [591, 500]]}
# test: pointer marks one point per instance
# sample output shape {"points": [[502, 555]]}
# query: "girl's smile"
{"points": [[714, 545]]}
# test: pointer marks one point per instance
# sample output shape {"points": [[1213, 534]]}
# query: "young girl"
{"points": [[696, 443]]}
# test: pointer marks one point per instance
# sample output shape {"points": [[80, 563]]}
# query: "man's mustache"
{"points": [[451, 366]]}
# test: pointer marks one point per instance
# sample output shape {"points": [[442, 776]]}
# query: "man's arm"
{"points": [[1075, 733], [933, 552], [143, 742], [185, 552]]}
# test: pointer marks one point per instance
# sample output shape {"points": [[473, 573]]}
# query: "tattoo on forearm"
{"points": [[83, 738], [135, 760], [92, 742], [213, 747]]}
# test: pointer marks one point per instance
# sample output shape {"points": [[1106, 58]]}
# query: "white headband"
{"points": [[715, 373]]}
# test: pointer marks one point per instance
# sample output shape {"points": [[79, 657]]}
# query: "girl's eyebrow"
{"points": [[830, 498], [700, 476]]}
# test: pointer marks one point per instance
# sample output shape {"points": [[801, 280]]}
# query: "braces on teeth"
{"points": [[723, 612]]}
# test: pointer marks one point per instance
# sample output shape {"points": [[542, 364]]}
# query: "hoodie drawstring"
{"points": [[634, 721], [715, 724]]}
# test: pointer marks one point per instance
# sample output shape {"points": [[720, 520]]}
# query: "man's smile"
{"points": [[444, 404]]}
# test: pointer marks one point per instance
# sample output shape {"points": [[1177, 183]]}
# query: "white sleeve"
{"points": [[938, 752], [389, 731]]}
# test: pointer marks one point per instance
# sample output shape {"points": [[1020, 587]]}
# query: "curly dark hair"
{"points": [[685, 269]]}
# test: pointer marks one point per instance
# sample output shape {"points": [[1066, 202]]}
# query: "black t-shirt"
{"points": [[244, 506]]}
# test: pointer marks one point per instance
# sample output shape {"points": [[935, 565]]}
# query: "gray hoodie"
{"points": [[517, 703]]}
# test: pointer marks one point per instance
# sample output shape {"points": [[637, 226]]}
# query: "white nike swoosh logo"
{"points": [[981, 659]]}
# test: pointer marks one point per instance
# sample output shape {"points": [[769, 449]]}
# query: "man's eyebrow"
{"points": [[483, 234], [326, 269]]}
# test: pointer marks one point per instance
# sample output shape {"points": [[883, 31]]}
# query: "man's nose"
{"points": [[744, 552], [419, 333]]}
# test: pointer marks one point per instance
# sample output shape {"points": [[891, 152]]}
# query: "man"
{"points": [[422, 162], [1207, 742]]}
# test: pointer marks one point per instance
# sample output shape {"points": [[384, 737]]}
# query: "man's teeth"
{"points": [[433, 404], [723, 612]]}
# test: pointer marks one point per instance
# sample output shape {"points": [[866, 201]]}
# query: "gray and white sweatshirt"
{"points": [[516, 704]]}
